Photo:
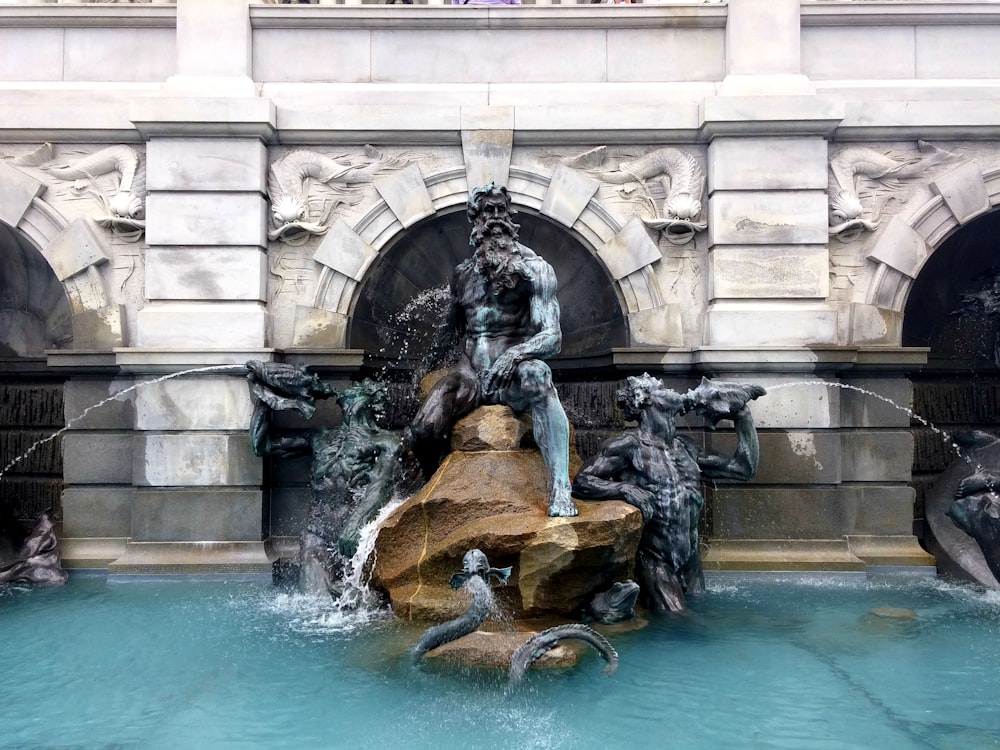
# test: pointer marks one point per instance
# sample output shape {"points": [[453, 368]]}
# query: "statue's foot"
{"points": [[561, 504]]}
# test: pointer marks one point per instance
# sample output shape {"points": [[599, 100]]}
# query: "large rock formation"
{"points": [[490, 493]]}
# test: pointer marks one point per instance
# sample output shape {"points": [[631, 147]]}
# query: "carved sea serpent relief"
{"points": [[305, 187], [855, 162], [677, 172], [123, 210]]}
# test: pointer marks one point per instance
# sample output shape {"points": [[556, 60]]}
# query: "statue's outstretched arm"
{"points": [[742, 465], [600, 477]]}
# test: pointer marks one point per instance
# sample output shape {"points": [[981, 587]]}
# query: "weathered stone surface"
{"points": [[490, 428], [497, 501]]}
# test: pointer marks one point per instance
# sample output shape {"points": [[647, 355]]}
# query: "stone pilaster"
{"points": [[198, 504], [768, 270]]}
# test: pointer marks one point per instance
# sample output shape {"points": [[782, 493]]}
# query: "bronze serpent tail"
{"points": [[438, 635], [538, 644]]}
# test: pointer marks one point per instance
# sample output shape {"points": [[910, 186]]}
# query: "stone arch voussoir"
{"points": [[626, 252], [902, 249], [74, 250]]}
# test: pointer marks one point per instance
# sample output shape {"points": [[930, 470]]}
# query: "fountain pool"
{"points": [[758, 662]]}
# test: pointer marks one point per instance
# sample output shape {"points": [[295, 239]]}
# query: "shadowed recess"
{"points": [[424, 257], [34, 311]]}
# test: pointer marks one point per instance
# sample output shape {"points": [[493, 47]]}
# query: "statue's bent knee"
{"points": [[535, 379]]}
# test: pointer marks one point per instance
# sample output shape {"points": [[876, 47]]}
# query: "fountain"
{"points": [[494, 504]]}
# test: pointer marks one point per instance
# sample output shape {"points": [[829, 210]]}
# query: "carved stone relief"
{"points": [[59, 219], [862, 180], [311, 194], [895, 201], [667, 183], [307, 187], [111, 182]]}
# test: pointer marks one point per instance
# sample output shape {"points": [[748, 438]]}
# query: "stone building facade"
{"points": [[747, 190]]}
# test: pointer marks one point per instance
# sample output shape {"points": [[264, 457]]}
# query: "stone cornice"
{"points": [[87, 16], [906, 119], [209, 116], [778, 359], [770, 116], [491, 17], [839, 13]]}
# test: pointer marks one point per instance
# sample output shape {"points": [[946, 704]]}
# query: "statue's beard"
{"points": [[496, 256]]}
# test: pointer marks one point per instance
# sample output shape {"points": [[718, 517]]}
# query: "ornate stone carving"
{"points": [[305, 187], [854, 163], [668, 172], [115, 178]]}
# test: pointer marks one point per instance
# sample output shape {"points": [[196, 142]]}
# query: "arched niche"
{"points": [[952, 307], [74, 250], [424, 217], [35, 313], [395, 312], [35, 317], [906, 244]]}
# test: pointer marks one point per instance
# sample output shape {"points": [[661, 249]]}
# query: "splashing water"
{"points": [[69, 424], [419, 326], [357, 594], [357, 605]]}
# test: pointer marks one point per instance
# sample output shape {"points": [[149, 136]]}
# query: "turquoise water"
{"points": [[757, 663]]}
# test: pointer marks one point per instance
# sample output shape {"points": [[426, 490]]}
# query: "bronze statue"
{"points": [[507, 317], [475, 578], [659, 472], [354, 466], [37, 558], [976, 511]]}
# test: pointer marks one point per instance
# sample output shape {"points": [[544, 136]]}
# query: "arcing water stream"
{"points": [[69, 424]]}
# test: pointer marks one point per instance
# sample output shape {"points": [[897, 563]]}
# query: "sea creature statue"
{"points": [[123, 206], [305, 187], [475, 576], [617, 604], [976, 511], [38, 559], [660, 473], [354, 466], [855, 162], [532, 649], [676, 172]]}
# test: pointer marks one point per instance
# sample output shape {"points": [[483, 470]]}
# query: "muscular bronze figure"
{"points": [[507, 317], [660, 472]]}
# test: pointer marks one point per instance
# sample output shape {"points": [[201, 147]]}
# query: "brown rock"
{"points": [[494, 650], [490, 428], [497, 501]]}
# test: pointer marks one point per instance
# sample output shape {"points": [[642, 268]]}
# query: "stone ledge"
{"points": [[889, 551], [782, 554], [429, 17], [91, 553], [194, 558]]}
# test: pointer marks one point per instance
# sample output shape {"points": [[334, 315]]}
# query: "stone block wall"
{"points": [[766, 103]]}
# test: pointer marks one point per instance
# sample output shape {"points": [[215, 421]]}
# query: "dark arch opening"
{"points": [[954, 309], [34, 316], [392, 313], [949, 306]]}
